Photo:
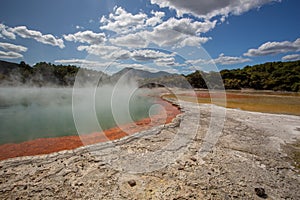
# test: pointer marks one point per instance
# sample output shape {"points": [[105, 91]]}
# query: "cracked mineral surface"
{"points": [[247, 154]]}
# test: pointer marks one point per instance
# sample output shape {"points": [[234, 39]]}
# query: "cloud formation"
{"points": [[83, 62], [272, 48], [24, 32], [10, 55], [121, 21], [148, 54], [4, 33], [230, 60], [291, 57], [166, 62], [106, 51], [212, 8], [178, 33], [156, 19], [170, 38], [170, 33], [132, 40], [86, 37], [187, 26], [12, 47], [116, 53], [222, 60]]}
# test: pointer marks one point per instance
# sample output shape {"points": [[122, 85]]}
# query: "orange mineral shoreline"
{"points": [[50, 145]]}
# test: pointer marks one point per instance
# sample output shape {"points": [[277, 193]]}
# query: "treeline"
{"points": [[40, 75], [284, 76]]}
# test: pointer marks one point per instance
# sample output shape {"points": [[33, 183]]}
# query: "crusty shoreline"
{"points": [[248, 155]]}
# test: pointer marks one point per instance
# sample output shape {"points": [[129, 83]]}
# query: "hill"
{"points": [[139, 74], [7, 67], [40, 75], [284, 76], [268, 76]]}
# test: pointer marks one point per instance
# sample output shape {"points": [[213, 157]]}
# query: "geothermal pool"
{"points": [[31, 113]]}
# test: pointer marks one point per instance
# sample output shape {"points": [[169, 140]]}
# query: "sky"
{"points": [[155, 35]]}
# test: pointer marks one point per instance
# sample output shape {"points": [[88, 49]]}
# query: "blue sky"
{"points": [[174, 36]]}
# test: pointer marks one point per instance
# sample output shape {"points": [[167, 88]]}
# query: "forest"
{"points": [[41, 74], [277, 76]]}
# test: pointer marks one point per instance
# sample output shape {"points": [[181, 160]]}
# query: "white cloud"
{"points": [[123, 22], [173, 32], [120, 55], [230, 60], [4, 33], [98, 49], [116, 53], [132, 40], [211, 8], [156, 19], [272, 48], [194, 62], [169, 61], [193, 41], [291, 57], [178, 33], [10, 55], [79, 27], [83, 62], [12, 47], [170, 38], [148, 54], [12, 50], [222, 59], [86, 37], [23, 32], [188, 26], [106, 52]]}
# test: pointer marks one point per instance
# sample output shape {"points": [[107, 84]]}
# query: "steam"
{"points": [[30, 113]]}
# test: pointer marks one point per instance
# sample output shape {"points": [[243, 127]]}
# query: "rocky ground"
{"points": [[244, 159]]}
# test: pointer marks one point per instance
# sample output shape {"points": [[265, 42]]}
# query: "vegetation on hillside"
{"points": [[284, 76], [41, 74]]}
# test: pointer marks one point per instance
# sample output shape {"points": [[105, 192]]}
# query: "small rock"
{"points": [[261, 192], [132, 183], [193, 159]]}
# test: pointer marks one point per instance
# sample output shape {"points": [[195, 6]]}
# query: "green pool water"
{"points": [[30, 113]]}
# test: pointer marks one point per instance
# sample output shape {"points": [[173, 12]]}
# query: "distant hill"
{"points": [[7, 67], [47, 74], [283, 76], [139, 74]]}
